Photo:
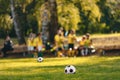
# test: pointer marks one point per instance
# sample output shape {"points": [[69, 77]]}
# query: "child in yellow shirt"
{"points": [[71, 40], [30, 42], [59, 38], [82, 45], [38, 45]]}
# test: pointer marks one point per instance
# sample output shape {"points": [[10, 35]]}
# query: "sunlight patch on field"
{"points": [[15, 63], [87, 68]]}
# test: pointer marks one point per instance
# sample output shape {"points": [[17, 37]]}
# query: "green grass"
{"points": [[88, 68]]}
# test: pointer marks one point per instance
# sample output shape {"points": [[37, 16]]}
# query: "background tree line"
{"points": [[93, 16]]}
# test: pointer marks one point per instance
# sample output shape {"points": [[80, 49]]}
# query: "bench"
{"points": [[22, 49], [102, 45], [107, 44]]}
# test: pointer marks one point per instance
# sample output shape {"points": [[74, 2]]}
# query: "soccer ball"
{"points": [[40, 59], [70, 69]]}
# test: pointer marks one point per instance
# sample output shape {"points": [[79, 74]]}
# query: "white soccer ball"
{"points": [[40, 59], [70, 69]]}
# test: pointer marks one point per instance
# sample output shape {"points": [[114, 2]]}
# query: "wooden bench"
{"points": [[101, 45], [104, 45], [22, 49]]}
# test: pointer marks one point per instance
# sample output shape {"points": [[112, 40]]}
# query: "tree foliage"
{"points": [[5, 22], [68, 15], [94, 16]]}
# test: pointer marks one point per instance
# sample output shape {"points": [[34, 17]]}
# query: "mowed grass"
{"points": [[87, 68]]}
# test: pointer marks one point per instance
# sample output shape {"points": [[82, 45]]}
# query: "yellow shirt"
{"points": [[59, 40], [30, 42], [56, 38], [38, 41], [82, 42], [71, 38], [87, 42]]}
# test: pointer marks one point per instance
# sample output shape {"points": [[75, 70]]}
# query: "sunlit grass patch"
{"points": [[88, 68]]}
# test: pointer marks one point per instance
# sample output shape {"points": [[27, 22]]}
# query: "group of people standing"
{"points": [[35, 44], [61, 43], [65, 45]]}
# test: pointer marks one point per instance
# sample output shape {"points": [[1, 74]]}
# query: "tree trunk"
{"points": [[53, 25], [17, 25], [49, 26], [45, 22]]}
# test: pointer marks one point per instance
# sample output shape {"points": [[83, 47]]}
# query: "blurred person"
{"points": [[38, 45], [59, 39], [88, 43], [30, 42], [63, 31], [71, 40], [8, 46], [82, 46]]}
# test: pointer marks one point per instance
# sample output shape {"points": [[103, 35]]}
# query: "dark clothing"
{"points": [[59, 49], [7, 47], [71, 46]]}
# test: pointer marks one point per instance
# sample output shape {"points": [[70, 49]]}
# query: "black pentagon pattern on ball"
{"points": [[65, 70], [71, 70], [39, 59]]}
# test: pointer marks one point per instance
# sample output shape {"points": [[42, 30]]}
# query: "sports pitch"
{"points": [[87, 68]]}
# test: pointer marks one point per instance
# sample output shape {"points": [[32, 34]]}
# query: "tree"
{"points": [[53, 25], [89, 13], [45, 19], [94, 16], [6, 23], [68, 15], [49, 20], [111, 11], [17, 24]]}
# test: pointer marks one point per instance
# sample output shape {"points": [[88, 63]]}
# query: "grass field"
{"points": [[87, 68]]}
